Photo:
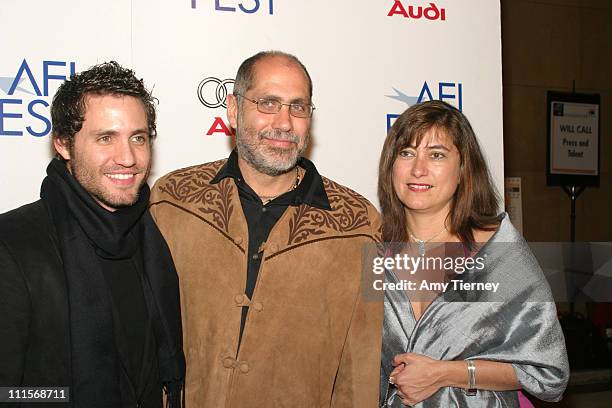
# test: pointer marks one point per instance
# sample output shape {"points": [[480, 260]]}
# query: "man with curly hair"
{"points": [[269, 257], [88, 291]]}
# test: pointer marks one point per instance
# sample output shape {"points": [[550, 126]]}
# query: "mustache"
{"points": [[279, 135]]}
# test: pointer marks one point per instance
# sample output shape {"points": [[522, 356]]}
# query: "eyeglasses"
{"points": [[271, 106]]}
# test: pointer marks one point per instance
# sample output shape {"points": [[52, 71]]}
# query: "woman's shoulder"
{"points": [[484, 234]]}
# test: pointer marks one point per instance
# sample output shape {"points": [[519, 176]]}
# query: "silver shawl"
{"points": [[518, 324]]}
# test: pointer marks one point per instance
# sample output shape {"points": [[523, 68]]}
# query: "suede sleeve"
{"points": [[357, 381]]}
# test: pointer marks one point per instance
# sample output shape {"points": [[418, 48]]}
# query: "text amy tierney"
{"points": [[454, 284]]}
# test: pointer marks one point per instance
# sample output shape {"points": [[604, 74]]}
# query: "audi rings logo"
{"points": [[212, 92]]}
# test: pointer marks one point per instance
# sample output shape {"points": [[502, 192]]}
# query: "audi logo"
{"points": [[212, 92]]}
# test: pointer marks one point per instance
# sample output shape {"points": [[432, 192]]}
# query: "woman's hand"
{"points": [[416, 377]]}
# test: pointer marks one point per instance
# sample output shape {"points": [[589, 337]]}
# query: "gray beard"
{"points": [[263, 164]]}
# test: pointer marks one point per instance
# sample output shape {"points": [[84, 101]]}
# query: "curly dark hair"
{"points": [[109, 78]]}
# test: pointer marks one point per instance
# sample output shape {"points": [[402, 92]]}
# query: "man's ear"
{"points": [[232, 110], [61, 145]]}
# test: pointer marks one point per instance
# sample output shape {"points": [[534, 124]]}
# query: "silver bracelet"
{"points": [[471, 390]]}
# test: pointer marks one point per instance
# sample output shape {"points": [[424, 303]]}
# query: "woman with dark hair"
{"points": [[487, 329]]}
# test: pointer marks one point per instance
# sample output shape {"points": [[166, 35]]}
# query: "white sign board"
{"points": [[574, 138], [369, 61]]}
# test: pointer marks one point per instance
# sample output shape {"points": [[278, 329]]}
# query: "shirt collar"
{"points": [[310, 191]]}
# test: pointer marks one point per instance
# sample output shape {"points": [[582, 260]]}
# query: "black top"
{"points": [[261, 217], [127, 297], [139, 375]]}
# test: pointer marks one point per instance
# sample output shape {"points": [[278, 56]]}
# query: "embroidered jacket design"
{"points": [[214, 202], [349, 213], [192, 185]]}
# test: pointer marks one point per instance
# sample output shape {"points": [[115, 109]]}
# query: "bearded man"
{"points": [[269, 258], [89, 295]]}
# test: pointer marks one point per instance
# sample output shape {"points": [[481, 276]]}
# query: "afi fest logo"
{"points": [[24, 97], [236, 6], [431, 12], [450, 92], [212, 93]]}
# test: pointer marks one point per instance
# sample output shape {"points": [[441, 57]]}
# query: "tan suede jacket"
{"points": [[310, 339]]}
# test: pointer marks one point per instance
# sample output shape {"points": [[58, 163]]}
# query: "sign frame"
{"points": [[568, 178]]}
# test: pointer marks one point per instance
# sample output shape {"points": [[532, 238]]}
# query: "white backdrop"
{"points": [[365, 65]]}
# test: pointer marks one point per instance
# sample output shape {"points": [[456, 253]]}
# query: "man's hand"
{"points": [[416, 377]]}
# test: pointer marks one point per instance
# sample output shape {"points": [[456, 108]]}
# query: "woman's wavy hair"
{"points": [[475, 203]]}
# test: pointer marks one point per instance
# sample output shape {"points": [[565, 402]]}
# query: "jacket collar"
{"points": [[310, 191]]}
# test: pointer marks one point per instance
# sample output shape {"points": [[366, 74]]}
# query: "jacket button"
{"points": [[228, 362], [244, 368], [238, 240], [239, 299], [258, 306]]}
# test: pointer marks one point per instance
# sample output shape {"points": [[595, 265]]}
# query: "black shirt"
{"points": [[261, 217], [139, 373]]}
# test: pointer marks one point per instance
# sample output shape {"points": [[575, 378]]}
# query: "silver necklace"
{"points": [[421, 242], [267, 199]]}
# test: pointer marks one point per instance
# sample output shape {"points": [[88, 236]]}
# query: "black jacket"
{"points": [[34, 325], [35, 344]]}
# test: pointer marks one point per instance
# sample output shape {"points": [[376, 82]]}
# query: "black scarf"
{"points": [[86, 233]]}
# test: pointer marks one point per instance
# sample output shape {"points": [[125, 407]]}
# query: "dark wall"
{"points": [[546, 44]]}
